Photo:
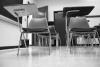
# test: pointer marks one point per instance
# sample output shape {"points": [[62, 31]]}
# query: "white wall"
{"points": [[54, 5], [9, 32]]}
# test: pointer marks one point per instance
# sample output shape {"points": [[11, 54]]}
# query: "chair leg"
{"points": [[19, 44], [71, 42], [94, 39], [35, 39], [49, 44], [39, 40], [89, 40], [70, 39], [42, 41], [57, 41], [24, 39], [46, 40]]}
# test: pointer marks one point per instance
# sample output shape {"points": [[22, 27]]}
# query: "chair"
{"points": [[36, 26], [79, 28], [54, 35]]}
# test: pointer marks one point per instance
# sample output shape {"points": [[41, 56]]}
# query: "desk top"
{"points": [[83, 10]]}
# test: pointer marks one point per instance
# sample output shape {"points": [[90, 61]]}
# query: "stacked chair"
{"points": [[38, 24], [77, 25], [79, 28]]}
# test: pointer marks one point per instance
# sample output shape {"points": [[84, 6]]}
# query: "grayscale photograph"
{"points": [[49, 33]]}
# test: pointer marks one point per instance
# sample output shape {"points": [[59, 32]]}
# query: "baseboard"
{"points": [[82, 45], [12, 47], [8, 47]]}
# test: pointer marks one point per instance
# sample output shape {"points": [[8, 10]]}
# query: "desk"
{"points": [[73, 12]]}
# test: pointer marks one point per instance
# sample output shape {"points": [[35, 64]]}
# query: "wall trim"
{"points": [[8, 47], [5, 19]]}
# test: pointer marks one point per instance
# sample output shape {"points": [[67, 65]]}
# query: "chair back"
{"points": [[78, 22], [37, 23], [39, 15]]}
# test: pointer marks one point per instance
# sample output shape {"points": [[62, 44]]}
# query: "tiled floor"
{"points": [[60, 57]]}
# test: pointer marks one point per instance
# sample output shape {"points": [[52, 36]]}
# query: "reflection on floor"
{"points": [[60, 57]]}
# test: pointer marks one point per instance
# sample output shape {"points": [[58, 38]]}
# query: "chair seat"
{"points": [[47, 34], [82, 29], [34, 30]]}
